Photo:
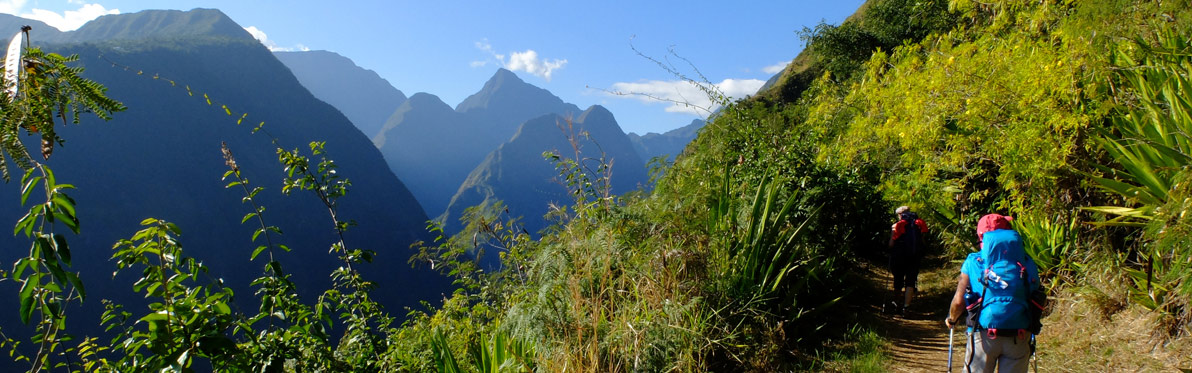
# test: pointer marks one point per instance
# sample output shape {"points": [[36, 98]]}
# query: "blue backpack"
{"points": [[1003, 280]]}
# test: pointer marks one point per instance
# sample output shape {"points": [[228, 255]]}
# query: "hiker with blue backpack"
{"points": [[999, 289], [906, 251]]}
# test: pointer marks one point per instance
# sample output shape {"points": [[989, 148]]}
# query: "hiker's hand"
{"points": [[948, 321]]}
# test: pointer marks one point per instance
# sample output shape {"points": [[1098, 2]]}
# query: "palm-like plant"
{"points": [[1152, 142], [1152, 146]]}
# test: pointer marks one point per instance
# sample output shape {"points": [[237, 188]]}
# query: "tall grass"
{"points": [[762, 247]]}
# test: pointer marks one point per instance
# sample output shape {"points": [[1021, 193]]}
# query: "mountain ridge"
{"points": [[528, 184], [362, 95], [161, 158], [479, 124], [143, 25], [669, 144]]}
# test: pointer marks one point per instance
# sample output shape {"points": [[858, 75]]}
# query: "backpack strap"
{"points": [[977, 320]]}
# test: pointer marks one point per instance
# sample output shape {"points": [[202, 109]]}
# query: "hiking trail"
{"points": [[917, 342]]}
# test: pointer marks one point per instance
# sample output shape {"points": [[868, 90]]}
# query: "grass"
{"points": [[862, 350], [1093, 328]]}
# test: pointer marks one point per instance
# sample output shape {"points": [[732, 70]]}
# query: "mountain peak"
{"points": [[426, 99], [506, 101], [503, 85], [502, 75], [156, 24], [597, 112]]}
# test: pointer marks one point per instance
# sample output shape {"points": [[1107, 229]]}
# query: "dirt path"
{"points": [[919, 341]]}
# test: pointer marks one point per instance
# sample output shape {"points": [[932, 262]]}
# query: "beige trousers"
{"points": [[1008, 354]]}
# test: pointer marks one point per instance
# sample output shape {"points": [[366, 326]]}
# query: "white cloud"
{"points": [[12, 6], [259, 35], [684, 97], [264, 39], [68, 20], [527, 61], [485, 46], [775, 68]]}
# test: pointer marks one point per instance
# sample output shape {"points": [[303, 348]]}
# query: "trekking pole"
{"points": [[1034, 359], [953, 330]]}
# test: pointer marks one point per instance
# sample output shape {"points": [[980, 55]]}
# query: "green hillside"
{"points": [[747, 254]]}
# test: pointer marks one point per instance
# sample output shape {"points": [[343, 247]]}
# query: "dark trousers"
{"points": [[905, 269]]}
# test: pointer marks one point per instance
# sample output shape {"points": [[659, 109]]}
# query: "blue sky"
{"points": [[580, 51]]}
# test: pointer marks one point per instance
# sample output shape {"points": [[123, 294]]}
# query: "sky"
{"points": [[587, 53]]}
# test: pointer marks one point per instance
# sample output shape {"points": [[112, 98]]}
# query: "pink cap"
{"points": [[992, 222]]}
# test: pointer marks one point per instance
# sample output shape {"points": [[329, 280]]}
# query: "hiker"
{"points": [[906, 248], [996, 286]]}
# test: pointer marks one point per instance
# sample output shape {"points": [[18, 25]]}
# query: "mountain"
{"points": [[160, 24], [360, 94], [506, 101], [161, 158], [517, 173], [153, 24], [434, 148], [428, 145], [10, 24], [668, 144]]}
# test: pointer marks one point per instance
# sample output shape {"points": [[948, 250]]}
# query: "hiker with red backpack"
{"points": [[999, 289], [906, 249]]}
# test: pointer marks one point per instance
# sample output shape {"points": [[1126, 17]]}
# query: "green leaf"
{"points": [[222, 308], [27, 188], [257, 252], [156, 316], [53, 287], [26, 295], [26, 223], [50, 180], [1121, 211], [70, 221], [59, 275], [151, 290], [77, 283], [62, 248]]}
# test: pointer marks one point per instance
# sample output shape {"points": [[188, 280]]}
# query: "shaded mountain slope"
{"points": [[364, 97], [434, 148], [517, 173], [161, 159], [668, 144]]}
